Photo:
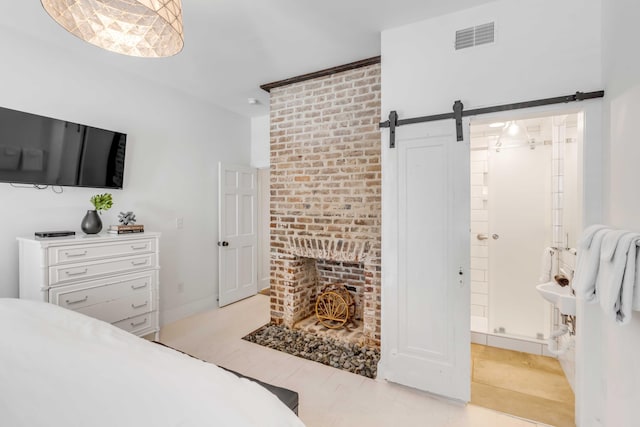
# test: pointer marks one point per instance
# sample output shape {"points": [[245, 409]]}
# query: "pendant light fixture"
{"points": [[144, 28]]}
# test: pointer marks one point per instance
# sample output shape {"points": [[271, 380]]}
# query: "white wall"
{"points": [[260, 141], [544, 48], [174, 144], [260, 158], [619, 374]]}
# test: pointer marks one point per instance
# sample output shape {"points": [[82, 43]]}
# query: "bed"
{"points": [[62, 368]]}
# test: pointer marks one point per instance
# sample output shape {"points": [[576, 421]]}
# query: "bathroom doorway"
{"points": [[524, 204]]}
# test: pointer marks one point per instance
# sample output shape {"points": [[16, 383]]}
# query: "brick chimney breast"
{"points": [[326, 194]]}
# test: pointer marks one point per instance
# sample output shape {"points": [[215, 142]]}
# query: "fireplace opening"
{"points": [[305, 266]]}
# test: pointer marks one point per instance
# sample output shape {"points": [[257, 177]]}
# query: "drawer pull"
{"points": [[141, 305], [75, 254], [143, 262], [134, 287], [77, 301], [77, 273], [133, 324], [139, 247]]}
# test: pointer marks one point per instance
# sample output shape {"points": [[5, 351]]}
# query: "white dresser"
{"points": [[110, 277]]}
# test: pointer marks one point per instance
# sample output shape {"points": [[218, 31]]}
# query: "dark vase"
{"points": [[91, 223]]}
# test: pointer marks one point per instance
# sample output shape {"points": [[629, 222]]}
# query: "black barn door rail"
{"points": [[459, 112]]}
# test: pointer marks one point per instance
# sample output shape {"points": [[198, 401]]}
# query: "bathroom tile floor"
{"points": [[522, 384], [328, 396]]}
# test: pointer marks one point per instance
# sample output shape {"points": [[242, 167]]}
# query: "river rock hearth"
{"points": [[346, 356]]}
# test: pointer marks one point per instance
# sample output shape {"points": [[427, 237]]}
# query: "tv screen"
{"points": [[44, 151]]}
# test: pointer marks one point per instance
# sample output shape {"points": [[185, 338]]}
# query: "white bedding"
{"points": [[61, 368]]}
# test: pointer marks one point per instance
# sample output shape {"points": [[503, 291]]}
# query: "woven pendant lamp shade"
{"points": [[145, 28]]}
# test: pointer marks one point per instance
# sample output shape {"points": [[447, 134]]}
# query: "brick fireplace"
{"points": [[325, 195]]}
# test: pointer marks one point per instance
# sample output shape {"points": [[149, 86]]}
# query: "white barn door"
{"points": [[237, 233], [425, 296]]}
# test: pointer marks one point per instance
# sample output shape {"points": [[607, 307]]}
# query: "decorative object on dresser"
{"points": [[114, 278], [91, 223], [127, 224], [125, 229], [127, 218]]}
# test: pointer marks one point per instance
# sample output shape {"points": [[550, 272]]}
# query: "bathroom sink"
{"points": [[559, 296]]}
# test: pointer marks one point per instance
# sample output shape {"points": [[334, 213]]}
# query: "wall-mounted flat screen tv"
{"points": [[44, 151]]}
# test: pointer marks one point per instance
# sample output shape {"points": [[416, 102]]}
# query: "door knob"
{"points": [[485, 237], [223, 243]]}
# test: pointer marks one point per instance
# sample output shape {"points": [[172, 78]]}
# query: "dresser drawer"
{"points": [[138, 324], [77, 296], [89, 252], [68, 273], [120, 309]]}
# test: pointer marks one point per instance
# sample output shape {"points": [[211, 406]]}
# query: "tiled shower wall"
{"points": [[565, 174], [479, 225], [557, 182]]}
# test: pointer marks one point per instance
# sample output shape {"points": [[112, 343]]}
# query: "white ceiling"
{"points": [[234, 46]]}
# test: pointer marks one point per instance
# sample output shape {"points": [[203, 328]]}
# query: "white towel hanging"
{"points": [[614, 266], [588, 262], [608, 271]]}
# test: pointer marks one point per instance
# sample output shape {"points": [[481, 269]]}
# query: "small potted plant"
{"points": [[91, 223]]}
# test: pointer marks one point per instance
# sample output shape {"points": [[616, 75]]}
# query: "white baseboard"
{"points": [[174, 314], [532, 346]]}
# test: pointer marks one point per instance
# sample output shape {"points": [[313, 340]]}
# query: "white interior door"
{"points": [[237, 231], [426, 338]]}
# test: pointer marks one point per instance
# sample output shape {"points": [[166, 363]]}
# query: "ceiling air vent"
{"points": [[474, 36]]}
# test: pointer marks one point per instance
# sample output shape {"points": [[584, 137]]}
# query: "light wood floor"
{"points": [[328, 397], [521, 384]]}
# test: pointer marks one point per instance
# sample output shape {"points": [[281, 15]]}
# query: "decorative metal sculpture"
{"points": [[127, 218], [335, 307]]}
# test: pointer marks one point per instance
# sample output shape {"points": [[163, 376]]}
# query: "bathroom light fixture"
{"points": [[144, 28], [513, 129], [514, 134]]}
